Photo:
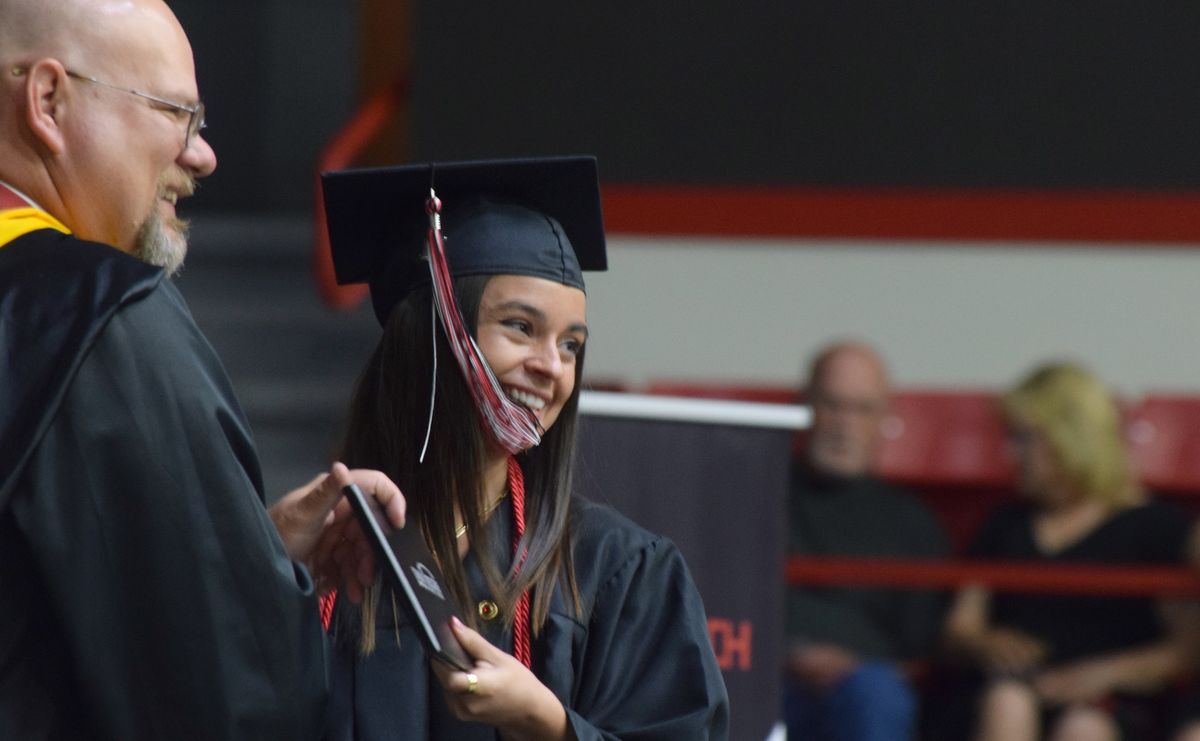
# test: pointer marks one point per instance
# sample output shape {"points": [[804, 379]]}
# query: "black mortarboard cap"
{"points": [[538, 217]]}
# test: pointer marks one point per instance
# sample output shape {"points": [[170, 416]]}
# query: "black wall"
{"points": [[854, 92], [277, 78], [1039, 93]]}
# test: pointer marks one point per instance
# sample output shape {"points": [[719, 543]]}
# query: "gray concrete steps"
{"points": [[292, 360]]}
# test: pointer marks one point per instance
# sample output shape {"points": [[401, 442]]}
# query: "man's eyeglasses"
{"points": [[195, 113]]}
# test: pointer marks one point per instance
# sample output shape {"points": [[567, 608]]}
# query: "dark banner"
{"points": [[718, 492]]}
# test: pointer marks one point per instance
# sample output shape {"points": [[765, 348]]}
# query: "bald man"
{"points": [[146, 591], [843, 676]]}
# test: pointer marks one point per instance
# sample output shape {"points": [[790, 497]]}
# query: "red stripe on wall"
{"points": [[1167, 217]]}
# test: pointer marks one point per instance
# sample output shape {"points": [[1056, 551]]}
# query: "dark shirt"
{"points": [[1074, 626], [146, 593], [862, 517]]}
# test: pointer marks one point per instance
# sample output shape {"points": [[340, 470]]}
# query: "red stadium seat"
{"points": [[949, 446], [945, 438], [1164, 442], [931, 437]]}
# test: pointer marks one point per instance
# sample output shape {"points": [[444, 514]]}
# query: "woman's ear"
{"points": [[46, 103]]}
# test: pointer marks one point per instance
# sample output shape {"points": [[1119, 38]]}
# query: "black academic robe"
{"points": [[637, 663], [146, 594]]}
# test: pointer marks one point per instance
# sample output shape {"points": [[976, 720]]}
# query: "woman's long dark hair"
{"points": [[385, 430]]}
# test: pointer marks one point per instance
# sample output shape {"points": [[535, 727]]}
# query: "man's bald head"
{"points": [[89, 34], [849, 356], [848, 389], [97, 104], [63, 29], [31, 28]]}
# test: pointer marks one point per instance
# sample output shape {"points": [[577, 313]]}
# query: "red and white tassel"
{"points": [[513, 426]]}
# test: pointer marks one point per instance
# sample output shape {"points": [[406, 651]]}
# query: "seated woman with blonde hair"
{"points": [[1069, 666]]}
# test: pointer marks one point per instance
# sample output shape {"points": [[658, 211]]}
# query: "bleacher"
{"points": [[948, 446]]}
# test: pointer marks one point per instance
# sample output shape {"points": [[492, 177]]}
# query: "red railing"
{"points": [[1007, 576]]}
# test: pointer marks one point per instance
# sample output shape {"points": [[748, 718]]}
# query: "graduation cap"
{"points": [[539, 217]]}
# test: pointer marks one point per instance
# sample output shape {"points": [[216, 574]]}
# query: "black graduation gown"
{"points": [[146, 594], [637, 664]]}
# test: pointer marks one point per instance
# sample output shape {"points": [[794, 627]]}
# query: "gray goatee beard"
{"points": [[162, 246]]}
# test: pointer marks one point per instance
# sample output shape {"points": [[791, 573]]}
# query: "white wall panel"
{"points": [[944, 314]]}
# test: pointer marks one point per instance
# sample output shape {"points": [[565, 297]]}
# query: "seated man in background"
{"points": [[845, 646]]}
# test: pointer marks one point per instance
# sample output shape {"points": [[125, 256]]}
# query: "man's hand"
{"points": [[318, 528]]}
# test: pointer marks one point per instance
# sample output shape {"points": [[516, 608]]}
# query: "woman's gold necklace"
{"points": [[462, 529]]}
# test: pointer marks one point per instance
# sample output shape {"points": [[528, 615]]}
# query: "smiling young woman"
{"points": [[580, 624]]}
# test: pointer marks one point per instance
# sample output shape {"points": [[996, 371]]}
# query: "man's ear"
{"points": [[46, 102]]}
